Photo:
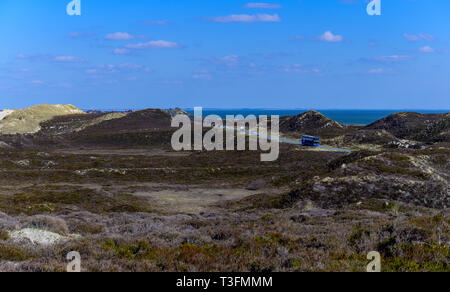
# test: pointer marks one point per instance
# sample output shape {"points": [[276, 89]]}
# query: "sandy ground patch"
{"points": [[36, 236], [194, 200]]}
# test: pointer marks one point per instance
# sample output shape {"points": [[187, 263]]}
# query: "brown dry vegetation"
{"points": [[309, 216]]}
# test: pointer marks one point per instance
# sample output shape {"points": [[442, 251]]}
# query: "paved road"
{"points": [[289, 141]]}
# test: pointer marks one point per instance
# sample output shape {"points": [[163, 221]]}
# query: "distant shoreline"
{"points": [[350, 117], [347, 117]]}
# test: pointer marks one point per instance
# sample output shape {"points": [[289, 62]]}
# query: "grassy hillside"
{"points": [[405, 125], [26, 121]]}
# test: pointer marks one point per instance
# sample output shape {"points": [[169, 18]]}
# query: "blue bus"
{"points": [[310, 141]]}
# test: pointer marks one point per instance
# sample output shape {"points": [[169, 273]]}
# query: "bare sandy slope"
{"points": [[26, 121], [5, 113]]}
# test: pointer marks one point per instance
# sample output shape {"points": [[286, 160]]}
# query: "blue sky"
{"points": [[326, 54]]}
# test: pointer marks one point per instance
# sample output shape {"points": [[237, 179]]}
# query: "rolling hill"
{"points": [[27, 121], [406, 125]]}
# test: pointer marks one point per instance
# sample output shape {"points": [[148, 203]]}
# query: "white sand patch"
{"points": [[4, 145], [5, 113], [36, 236]]}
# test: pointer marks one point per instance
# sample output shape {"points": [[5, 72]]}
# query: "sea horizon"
{"points": [[343, 116]]}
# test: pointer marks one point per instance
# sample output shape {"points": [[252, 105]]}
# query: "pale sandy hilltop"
{"points": [[26, 121]]}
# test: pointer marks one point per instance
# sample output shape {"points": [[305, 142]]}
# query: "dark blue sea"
{"points": [[349, 117]]}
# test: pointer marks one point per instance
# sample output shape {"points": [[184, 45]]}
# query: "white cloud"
{"points": [[263, 6], [91, 71], [377, 71], [32, 57], [121, 51], [202, 77], [66, 59], [154, 45], [393, 58], [246, 18], [381, 71], [427, 49], [229, 61], [299, 69], [108, 67], [329, 37], [135, 67], [78, 35], [418, 37], [155, 22], [115, 69], [296, 68], [50, 58], [122, 36]]}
